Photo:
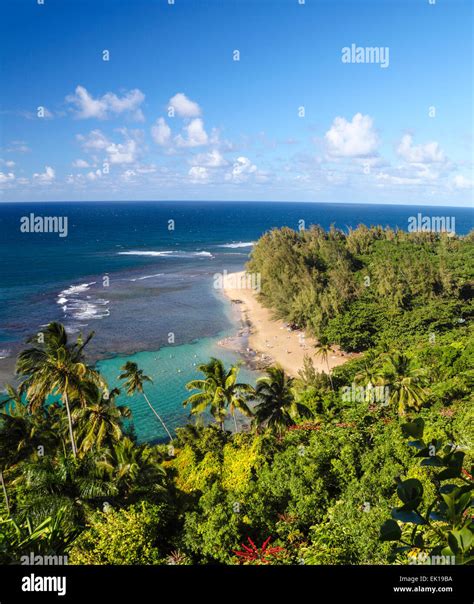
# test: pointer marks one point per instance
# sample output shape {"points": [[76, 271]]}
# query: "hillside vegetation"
{"points": [[370, 466]]}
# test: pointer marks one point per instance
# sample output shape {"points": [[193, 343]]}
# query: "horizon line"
{"points": [[130, 201]]}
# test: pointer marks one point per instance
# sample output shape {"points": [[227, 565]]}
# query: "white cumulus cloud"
{"points": [[125, 152], [86, 106], [94, 140], [161, 132], [93, 175], [80, 163], [356, 138], [196, 136], [198, 174], [461, 182], [7, 162], [420, 154], [242, 169], [45, 177], [6, 177], [213, 159], [184, 107]]}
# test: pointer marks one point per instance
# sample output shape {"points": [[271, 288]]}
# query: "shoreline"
{"points": [[263, 340], [260, 339]]}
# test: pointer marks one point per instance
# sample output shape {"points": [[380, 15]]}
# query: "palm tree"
{"points": [[60, 480], [56, 367], [404, 381], [134, 470], [219, 390], [134, 380], [237, 394], [15, 435], [21, 433], [369, 373], [100, 420], [277, 407], [323, 350]]}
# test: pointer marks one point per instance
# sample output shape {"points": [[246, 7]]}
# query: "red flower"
{"points": [[256, 555]]}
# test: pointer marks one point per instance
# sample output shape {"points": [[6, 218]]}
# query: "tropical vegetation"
{"points": [[308, 469]]}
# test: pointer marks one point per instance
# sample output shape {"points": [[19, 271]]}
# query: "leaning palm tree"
{"points": [[277, 407], [134, 380], [323, 350], [56, 367], [100, 420], [406, 383], [219, 391]]}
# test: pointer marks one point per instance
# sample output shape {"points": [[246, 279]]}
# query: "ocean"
{"points": [[140, 274]]}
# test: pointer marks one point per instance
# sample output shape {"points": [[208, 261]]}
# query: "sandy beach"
{"points": [[271, 341]]}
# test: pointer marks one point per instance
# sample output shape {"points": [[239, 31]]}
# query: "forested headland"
{"points": [[371, 464]]}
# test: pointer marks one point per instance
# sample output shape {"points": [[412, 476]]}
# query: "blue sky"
{"points": [[172, 115]]}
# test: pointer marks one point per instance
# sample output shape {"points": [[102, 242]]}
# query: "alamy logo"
{"points": [[39, 560], [431, 224], [424, 558], [366, 54], [368, 394], [44, 224], [40, 583], [251, 281]]}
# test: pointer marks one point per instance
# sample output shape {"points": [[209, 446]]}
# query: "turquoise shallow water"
{"points": [[124, 274], [171, 368]]}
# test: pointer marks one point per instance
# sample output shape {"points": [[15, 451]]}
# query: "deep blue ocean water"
{"points": [[123, 272]]}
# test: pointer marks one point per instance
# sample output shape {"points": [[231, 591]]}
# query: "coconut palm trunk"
{"points": [[157, 415], [69, 419], [5, 494], [323, 351], [134, 380], [55, 367], [329, 374]]}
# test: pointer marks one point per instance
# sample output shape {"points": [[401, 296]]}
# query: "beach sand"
{"points": [[270, 341]]}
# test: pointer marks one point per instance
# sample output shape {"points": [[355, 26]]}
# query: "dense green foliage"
{"points": [[372, 464], [445, 529], [372, 287]]}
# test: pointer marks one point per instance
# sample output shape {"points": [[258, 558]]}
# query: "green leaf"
{"points": [[453, 543], [407, 516], [465, 538], [410, 492], [403, 549], [390, 531], [463, 502], [449, 473], [432, 461], [423, 452], [418, 541], [454, 462], [448, 488], [418, 444]]}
